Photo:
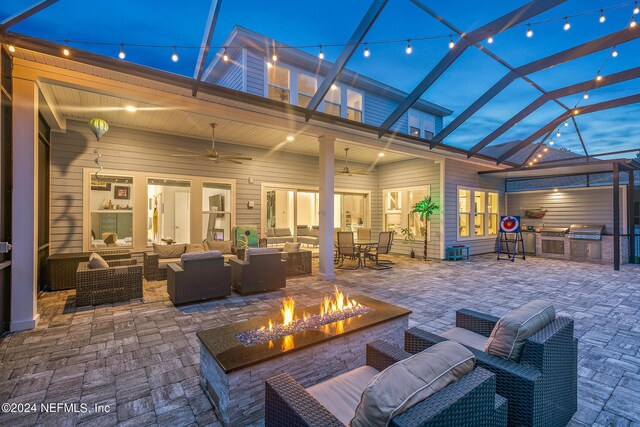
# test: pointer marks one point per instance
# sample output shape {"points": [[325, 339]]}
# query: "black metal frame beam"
{"points": [[535, 149], [570, 54], [592, 156], [592, 108], [347, 52], [584, 147], [496, 26], [210, 26], [632, 73], [631, 228], [21, 16], [616, 217]]}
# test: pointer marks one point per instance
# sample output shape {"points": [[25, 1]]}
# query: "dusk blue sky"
{"points": [[332, 21]]}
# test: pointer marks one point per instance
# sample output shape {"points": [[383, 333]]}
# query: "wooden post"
{"points": [[325, 263], [616, 216]]}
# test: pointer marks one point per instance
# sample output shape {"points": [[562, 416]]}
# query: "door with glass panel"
{"points": [[280, 211], [216, 211], [168, 214]]}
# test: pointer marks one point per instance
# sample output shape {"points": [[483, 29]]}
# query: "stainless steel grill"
{"points": [[553, 231], [586, 232]]}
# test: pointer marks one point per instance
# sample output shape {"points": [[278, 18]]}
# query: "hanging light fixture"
{"points": [[490, 40], [451, 43], [321, 54], [567, 25], [366, 51], [551, 142], [408, 49], [566, 123], [274, 57], [122, 55], [66, 51], [614, 53], [225, 55], [602, 17], [529, 31], [585, 96], [174, 57], [558, 134], [599, 77], [636, 9], [633, 22]]}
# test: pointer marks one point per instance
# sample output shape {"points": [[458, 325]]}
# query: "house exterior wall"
{"points": [[255, 74], [592, 205], [142, 151], [404, 174], [459, 173], [233, 75]]}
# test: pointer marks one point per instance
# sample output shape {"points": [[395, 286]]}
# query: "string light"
{"points": [[490, 40], [599, 77], [585, 96], [545, 149], [633, 22], [614, 53], [321, 53], [12, 48], [636, 9], [274, 57], [409, 49], [122, 55], [566, 123], [451, 43], [529, 31], [602, 17], [566, 24], [174, 57], [558, 134], [551, 142], [366, 51], [225, 55]]}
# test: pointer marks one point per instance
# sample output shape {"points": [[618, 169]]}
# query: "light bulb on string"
{"points": [[408, 49], [566, 123], [567, 25], [122, 55], [274, 57], [558, 134], [614, 53], [545, 149], [321, 53], [225, 55], [539, 156], [599, 77], [551, 142], [11, 48], [602, 17], [490, 40], [633, 22], [636, 9], [366, 51], [529, 31], [174, 57], [585, 96], [451, 43]]}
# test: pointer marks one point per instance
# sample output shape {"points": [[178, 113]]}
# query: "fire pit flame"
{"points": [[333, 308]]}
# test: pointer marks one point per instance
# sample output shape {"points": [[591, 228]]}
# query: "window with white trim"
{"points": [[279, 83], [422, 124], [332, 101], [354, 105], [307, 86], [478, 212], [398, 204], [217, 211]]}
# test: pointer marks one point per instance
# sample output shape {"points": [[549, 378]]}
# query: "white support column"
{"points": [[326, 147], [24, 229]]}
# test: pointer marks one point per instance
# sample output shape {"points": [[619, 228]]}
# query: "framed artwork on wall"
{"points": [[121, 192], [101, 186]]}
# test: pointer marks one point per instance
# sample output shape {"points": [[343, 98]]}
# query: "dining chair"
{"points": [[364, 233], [348, 249], [385, 242]]}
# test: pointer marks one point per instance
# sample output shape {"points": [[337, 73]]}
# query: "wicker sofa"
{"points": [[264, 270], [542, 387], [156, 261], [468, 402], [63, 267], [121, 281], [200, 276]]}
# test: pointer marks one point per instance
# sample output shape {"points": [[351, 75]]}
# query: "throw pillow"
{"points": [[291, 247], [223, 246], [410, 381], [195, 247], [96, 261], [258, 251], [509, 336], [169, 251]]}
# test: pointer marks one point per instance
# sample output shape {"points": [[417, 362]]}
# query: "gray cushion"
{"points": [[315, 231], [223, 246], [509, 336], [169, 251], [258, 251], [410, 381], [282, 232], [291, 247], [196, 247], [303, 230], [341, 395], [96, 261], [194, 256], [163, 262], [270, 232], [466, 337]]}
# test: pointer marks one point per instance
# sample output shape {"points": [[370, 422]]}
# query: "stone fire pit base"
{"points": [[238, 395]]}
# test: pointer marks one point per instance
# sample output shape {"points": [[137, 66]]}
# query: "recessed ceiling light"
{"points": [[131, 108], [380, 154], [290, 138]]}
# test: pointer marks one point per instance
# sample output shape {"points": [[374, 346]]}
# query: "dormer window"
{"points": [[421, 124], [279, 83]]}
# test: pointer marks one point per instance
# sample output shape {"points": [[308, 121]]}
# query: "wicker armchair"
{"points": [[122, 281], [470, 401], [542, 387], [198, 279], [63, 267], [263, 272]]}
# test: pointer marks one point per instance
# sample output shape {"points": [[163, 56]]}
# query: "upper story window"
{"points": [[477, 213], [421, 124], [333, 100], [354, 105], [279, 83], [307, 86]]}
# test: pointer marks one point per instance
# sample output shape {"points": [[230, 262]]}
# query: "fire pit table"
{"points": [[232, 373]]}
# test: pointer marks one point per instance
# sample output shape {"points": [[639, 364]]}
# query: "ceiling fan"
{"points": [[212, 154], [346, 170]]}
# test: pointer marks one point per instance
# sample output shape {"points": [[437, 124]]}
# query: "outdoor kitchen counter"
{"points": [[606, 249]]}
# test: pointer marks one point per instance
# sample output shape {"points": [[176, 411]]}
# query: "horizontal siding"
{"points": [[410, 173], [255, 74], [134, 150], [231, 77], [458, 173], [377, 108], [566, 207]]}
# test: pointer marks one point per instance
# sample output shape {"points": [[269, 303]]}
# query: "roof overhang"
{"points": [[566, 169]]}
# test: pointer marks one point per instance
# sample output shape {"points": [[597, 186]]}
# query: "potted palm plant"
{"points": [[409, 237], [425, 208]]}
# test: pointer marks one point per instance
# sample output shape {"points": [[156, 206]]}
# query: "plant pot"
{"points": [[413, 254]]}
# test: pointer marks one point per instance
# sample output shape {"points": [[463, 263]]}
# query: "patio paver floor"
{"points": [[142, 358]]}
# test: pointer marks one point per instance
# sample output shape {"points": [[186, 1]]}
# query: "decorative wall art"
{"points": [[121, 192]]}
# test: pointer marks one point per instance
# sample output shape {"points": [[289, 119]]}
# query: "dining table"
{"points": [[364, 245]]}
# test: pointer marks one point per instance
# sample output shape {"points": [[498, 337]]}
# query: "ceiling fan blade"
{"points": [[234, 158], [188, 151], [188, 155], [229, 154], [231, 161], [360, 173]]}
